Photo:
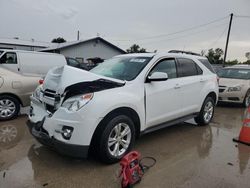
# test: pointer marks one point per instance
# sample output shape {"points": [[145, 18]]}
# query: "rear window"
{"points": [[187, 67], [207, 64]]}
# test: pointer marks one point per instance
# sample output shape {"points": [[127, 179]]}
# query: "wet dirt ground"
{"points": [[187, 156]]}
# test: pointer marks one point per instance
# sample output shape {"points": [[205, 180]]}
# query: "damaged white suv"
{"points": [[107, 108]]}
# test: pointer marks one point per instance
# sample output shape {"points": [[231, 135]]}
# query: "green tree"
{"points": [[233, 62], [136, 49], [215, 56], [58, 40]]}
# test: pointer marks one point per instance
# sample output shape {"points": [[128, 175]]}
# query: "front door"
{"points": [[163, 102]]}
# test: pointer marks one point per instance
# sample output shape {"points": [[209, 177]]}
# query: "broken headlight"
{"points": [[74, 104], [37, 92]]}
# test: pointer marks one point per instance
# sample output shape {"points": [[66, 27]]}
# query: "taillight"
{"points": [[41, 81]]}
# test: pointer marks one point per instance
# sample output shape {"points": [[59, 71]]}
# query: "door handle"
{"points": [[201, 80], [177, 86]]}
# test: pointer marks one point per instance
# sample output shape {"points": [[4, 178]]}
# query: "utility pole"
{"points": [[228, 35], [78, 35]]}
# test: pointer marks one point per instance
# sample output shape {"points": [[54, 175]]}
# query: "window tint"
{"points": [[8, 58], [168, 66], [72, 62], [206, 63], [199, 70], [187, 67]]}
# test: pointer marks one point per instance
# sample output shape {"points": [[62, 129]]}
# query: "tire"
{"points": [[9, 107], [246, 101], [110, 147], [207, 112]]}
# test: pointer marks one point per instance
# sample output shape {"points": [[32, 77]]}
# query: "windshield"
{"points": [[234, 73], [122, 68], [1, 52]]}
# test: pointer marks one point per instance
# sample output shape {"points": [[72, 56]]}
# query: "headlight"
{"points": [[231, 89], [75, 104], [37, 92]]}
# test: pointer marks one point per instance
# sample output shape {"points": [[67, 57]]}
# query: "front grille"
{"points": [[49, 93], [50, 99]]}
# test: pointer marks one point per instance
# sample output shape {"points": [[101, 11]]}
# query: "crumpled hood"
{"points": [[232, 82], [60, 78]]}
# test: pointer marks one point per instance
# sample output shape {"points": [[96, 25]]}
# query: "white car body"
{"points": [[153, 103], [235, 90]]}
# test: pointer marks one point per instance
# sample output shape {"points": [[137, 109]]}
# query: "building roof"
{"points": [[59, 46], [20, 42]]}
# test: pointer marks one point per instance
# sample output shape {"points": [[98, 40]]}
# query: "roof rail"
{"points": [[183, 52]]}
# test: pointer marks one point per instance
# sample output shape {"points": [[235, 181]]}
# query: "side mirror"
{"points": [[158, 76]]}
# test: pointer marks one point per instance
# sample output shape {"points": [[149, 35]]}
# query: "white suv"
{"points": [[107, 108]]}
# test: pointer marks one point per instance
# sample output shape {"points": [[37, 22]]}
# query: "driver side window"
{"points": [[167, 66], [8, 58]]}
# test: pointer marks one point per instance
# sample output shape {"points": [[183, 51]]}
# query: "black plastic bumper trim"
{"points": [[42, 136]]}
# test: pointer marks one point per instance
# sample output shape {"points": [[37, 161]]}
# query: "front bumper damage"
{"points": [[42, 136]]}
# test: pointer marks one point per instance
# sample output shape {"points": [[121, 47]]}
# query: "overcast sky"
{"points": [[132, 21]]}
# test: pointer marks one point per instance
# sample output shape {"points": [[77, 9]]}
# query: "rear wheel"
{"points": [[116, 139], [207, 112], [9, 107]]}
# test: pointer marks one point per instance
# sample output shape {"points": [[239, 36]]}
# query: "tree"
{"points": [[58, 40], [233, 62], [136, 49], [215, 56]]}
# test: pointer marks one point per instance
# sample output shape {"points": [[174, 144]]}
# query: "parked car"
{"points": [[107, 108], [234, 84], [74, 63], [217, 67], [20, 72]]}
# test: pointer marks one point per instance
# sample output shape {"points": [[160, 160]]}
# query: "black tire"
{"points": [[246, 101], [102, 148], [200, 119], [14, 105]]}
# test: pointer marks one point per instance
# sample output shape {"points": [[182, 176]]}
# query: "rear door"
{"points": [[191, 83], [9, 60], [162, 97]]}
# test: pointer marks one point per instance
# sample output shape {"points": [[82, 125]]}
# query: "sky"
{"points": [[149, 23]]}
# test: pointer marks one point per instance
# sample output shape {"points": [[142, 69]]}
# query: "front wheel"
{"points": [[117, 139], [9, 107], [207, 112], [246, 101]]}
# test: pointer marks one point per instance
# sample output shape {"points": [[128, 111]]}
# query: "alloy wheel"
{"points": [[119, 139], [7, 108], [247, 100], [208, 111]]}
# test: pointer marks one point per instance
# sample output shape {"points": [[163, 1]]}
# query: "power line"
{"points": [[215, 42], [187, 35], [184, 30], [174, 33]]}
